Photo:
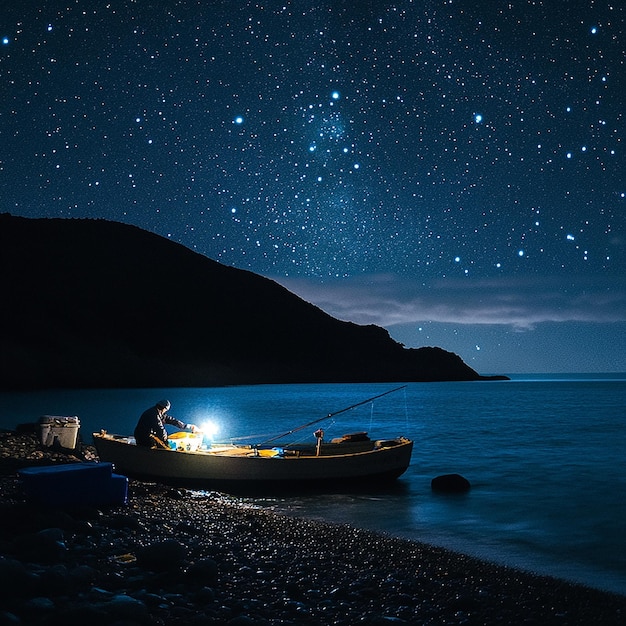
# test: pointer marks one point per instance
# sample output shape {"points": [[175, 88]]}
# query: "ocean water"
{"points": [[544, 454]]}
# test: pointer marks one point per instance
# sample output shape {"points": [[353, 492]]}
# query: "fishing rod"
{"points": [[321, 419]]}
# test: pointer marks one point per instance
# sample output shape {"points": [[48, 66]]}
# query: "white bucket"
{"points": [[60, 430]]}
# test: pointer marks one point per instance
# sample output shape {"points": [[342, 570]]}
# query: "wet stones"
{"points": [[204, 571], [162, 556], [125, 607], [44, 546], [181, 558], [17, 579]]}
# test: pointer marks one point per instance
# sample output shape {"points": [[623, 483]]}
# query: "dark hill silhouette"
{"points": [[93, 303]]}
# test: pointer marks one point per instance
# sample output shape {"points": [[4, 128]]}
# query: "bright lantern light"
{"points": [[209, 429]]}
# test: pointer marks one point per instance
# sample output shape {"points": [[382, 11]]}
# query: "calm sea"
{"points": [[544, 454]]}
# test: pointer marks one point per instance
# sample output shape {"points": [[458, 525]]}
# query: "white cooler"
{"points": [[56, 428]]}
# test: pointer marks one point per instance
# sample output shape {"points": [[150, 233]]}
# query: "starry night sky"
{"points": [[454, 171]]}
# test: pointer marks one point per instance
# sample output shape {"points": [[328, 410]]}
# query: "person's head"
{"points": [[163, 405]]}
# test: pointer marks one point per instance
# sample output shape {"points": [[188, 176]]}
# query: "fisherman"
{"points": [[150, 430]]}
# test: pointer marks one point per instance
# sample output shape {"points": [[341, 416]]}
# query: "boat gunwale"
{"points": [[124, 441]]}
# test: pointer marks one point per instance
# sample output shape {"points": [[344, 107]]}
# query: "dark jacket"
{"points": [[151, 423]]}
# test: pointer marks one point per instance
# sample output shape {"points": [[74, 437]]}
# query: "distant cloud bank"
{"points": [[521, 303]]}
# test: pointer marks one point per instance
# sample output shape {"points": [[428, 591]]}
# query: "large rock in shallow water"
{"points": [[450, 483]]}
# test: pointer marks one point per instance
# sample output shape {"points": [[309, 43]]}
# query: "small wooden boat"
{"points": [[351, 459], [239, 467]]}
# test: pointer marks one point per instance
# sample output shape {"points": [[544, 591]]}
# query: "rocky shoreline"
{"points": [[173, 556]]}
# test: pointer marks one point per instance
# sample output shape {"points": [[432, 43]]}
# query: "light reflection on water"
{"points": [[544, 458]]}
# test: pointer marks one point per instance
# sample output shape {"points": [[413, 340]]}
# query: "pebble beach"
{"points": [[176, 556]]}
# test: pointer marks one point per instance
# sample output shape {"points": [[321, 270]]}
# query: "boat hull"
{"points": [[233, 468]]}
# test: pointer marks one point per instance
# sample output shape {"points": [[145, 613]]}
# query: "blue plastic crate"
{"points": [[74, 483]]}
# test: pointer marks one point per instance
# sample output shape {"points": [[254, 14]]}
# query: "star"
{"points": [[404, 143]]}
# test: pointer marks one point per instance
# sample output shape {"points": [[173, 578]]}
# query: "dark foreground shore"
{"points": [[173, 556]]}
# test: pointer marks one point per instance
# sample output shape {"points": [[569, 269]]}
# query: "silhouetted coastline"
{"points": [[99, 304]]}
